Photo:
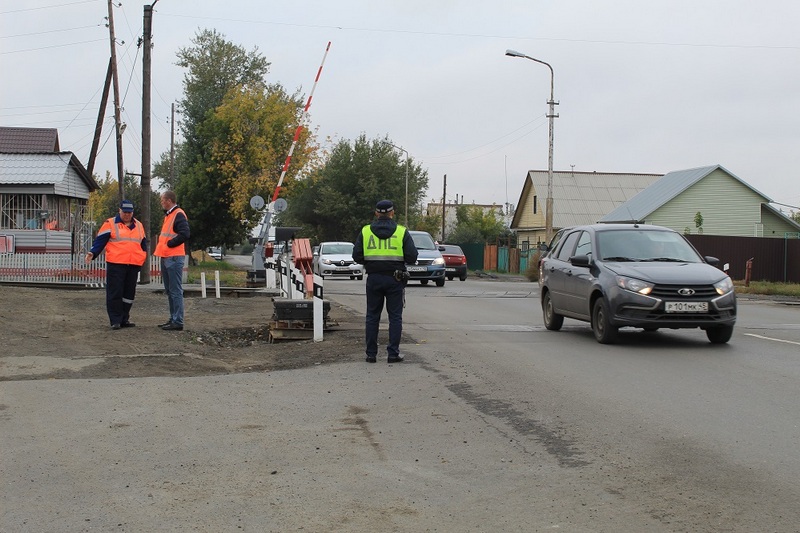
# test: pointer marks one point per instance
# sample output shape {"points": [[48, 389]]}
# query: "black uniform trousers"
{"points": [[382, 287], [120, 291]]}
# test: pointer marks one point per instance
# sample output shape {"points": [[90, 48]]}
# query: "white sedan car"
{"points": [[335, 259]]}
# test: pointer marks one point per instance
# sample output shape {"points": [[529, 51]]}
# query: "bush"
{"points": [[532, 272]]}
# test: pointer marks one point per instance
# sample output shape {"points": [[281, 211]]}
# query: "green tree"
{"points": [[698, 222], [336, 200], [795, 215], [237, 132], [474, 225]]}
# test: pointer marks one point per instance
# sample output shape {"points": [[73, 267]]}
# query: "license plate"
{"points": [[416, 269], [450, 269], [342, 270], [687, 307]]}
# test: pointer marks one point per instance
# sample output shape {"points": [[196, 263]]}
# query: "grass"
{"points": [[768, 288], [229, 275]]}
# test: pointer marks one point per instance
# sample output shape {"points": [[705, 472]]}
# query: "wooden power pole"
{"points": [[117, 104], [147, 39], [444, 205]]}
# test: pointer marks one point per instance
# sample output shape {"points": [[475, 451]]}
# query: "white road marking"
{"points": [[771, 339]]}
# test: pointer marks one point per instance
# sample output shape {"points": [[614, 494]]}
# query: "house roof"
{"points": [[28, 140], [582, 197], [663, 191], [781, 215], [41, 169]]}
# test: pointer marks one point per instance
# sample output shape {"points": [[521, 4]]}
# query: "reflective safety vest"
{"points": [[125, 244], [167, 233], [376, 249]]}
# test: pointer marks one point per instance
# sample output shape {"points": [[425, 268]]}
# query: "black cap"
{"points": [[384, 206], [126, 206]]}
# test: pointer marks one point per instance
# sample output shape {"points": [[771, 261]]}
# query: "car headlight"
{"points": [[724, 286], [634, 285], [326, 261], [438, 261]]}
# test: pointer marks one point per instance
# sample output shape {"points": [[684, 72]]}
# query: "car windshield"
{"points": [[643, 245], [452, 250], [344, 248], [423, 241]]}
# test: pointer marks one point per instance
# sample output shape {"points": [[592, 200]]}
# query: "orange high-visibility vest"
{"points": [[167, 233], [125, 244]]}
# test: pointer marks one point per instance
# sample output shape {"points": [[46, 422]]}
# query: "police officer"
{"points": [[384, 248], [123, 238]]}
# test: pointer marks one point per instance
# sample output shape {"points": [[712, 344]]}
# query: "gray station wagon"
{"points": [[634, 275]]}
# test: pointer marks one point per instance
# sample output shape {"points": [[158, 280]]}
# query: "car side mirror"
{"points": [[713, 261], [442, 248], [580, 260]]}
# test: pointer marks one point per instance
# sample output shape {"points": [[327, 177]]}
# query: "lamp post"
{"points": [[406, 151], [548, 217]]}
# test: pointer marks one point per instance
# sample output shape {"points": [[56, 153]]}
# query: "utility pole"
{"points": [[98, 129], [117, 104], [147, 38], [444, 205], [172, 146]]}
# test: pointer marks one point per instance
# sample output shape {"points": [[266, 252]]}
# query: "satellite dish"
{"points": [[256, 202], [280, 205]]}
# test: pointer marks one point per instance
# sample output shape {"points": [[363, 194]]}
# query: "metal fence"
{"points": [[773, 259], [63, 268]]}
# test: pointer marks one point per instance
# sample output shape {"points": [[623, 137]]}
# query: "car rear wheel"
{"points": [[604, 332], [719, 335], [463, 278], [552, 320], [440, 282], [449, 278]]}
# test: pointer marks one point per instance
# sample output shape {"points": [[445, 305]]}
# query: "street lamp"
{"points": [[548, 217], [406, 151]]}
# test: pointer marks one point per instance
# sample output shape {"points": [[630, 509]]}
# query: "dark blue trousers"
{"points": [[120, 291], [384, 288]]}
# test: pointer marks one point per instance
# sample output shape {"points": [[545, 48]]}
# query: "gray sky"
{"points": [[644, 86]]}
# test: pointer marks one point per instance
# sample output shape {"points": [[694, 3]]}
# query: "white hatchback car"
{"points": [[335, 259]]}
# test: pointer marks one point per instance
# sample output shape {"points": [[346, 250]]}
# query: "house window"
{"points": [[535, 206]]}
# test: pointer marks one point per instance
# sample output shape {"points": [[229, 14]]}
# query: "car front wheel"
{"points": [[440, 282], [552, 320], [604, 332], [719, 335]]}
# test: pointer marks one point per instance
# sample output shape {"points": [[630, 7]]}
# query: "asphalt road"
{"points": [[492, 424], [692, 435]]}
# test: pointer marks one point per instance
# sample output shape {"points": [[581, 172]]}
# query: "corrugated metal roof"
{"points": [[585, 197], [27, 140], [34, 169], [662, 191]]}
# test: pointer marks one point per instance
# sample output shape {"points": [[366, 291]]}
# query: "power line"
{"points": [[489, 36]]}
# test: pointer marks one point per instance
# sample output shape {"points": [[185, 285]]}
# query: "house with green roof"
{"points": [[705, 200]]}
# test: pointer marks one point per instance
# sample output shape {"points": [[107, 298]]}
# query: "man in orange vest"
{"points": [[125, 242], [170, 248]]}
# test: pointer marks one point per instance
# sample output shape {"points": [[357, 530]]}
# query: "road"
{"points": [[663, 428], [491, 424]]}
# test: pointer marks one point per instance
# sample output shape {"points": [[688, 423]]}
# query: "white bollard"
{"points": [[203, 284], [319, 321], [216, 282]]}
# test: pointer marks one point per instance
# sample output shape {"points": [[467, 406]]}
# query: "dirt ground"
{"points": [[64, 333]]}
